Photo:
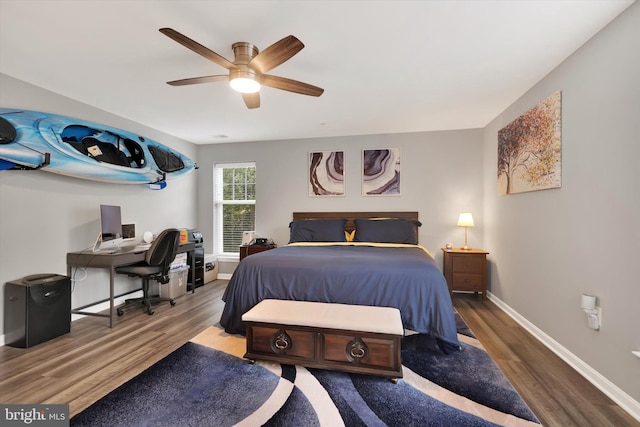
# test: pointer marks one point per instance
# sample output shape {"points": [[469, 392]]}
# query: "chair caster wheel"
{"points": [[172, 302], [120, 312], [150, 312]]}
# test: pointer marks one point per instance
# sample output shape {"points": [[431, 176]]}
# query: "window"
{"points": [[234, 204]]}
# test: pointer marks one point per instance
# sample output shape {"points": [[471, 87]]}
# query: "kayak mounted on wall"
{"points": [[81, 149]]}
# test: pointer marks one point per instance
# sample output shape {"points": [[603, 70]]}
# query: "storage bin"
{"points": [[210, 268], [177, 285], [179, 261]]}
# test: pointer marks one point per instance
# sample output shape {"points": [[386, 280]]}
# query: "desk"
{"points": [[87, 259]]}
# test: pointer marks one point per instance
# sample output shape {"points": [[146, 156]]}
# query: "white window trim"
{"points": [[217, 206]]}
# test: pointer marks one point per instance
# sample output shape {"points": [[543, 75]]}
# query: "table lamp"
{"points": [[465, 220]]}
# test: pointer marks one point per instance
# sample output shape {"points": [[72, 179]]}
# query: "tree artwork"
{"points": [[529, 149]]}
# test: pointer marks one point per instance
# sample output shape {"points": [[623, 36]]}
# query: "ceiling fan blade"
{"points": [[197, 47], [290, 85], [252, 100], [276, 54], [198, 80]]}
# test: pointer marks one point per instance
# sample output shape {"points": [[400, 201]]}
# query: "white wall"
{"points": [[548, 247], [44, 215], [439, 179]]}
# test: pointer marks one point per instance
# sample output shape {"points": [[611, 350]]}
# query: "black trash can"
{"points": [[37, 308]]}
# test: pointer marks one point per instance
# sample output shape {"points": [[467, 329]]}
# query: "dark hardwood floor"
{"points": [[84, 365], [554, 391]]}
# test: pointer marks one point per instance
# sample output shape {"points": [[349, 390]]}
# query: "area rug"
{"points": [[207, 383]]}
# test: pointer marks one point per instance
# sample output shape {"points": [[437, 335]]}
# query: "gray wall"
{"points": [[44, 215], [439, 178], [548, 247]]}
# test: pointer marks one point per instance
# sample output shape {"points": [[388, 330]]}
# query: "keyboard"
{"points": [[131, 248], [125, 249], [108, 251]]}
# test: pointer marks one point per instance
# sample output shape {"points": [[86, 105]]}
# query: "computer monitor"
{"points": [[110, 227]]}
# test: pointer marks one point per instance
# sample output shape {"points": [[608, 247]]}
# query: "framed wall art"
{"points": [[326, 173], [381, 172], [529, 149]]}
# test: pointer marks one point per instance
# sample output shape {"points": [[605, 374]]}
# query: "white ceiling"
{"points": [[386, 66]]}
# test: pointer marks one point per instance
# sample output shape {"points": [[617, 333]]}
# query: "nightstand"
{"points": [[246, 250], [465, 270]]}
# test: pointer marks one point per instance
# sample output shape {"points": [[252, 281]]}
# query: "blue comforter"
{"points": [[401, 276]]}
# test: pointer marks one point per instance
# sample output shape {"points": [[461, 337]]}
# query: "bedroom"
{"points": [[547, 248]]}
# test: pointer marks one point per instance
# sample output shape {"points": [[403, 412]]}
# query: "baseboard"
{"points": [[224, 276], [625, 401], [94, 309]]}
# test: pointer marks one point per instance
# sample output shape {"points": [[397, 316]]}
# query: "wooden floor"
{"points": [[556, 393], [84, 365]]}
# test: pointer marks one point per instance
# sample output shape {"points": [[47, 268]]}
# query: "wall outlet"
{"points": [[595, 319]]}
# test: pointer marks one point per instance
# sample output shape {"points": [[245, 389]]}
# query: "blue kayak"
{"points": [[81, 149]]}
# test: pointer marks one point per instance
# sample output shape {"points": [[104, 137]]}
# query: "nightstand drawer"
{"points": [[467, 263], [467, 282]]}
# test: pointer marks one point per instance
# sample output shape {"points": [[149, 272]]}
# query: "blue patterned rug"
{"points": [[208, 384]]}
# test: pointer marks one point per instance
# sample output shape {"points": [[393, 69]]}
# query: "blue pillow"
{"points": [[317, 230], [392, 230]]}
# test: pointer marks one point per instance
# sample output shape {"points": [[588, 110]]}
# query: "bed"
{"points": [[358, 258]]}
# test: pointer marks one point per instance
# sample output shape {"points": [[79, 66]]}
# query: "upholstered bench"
{"points": [[351, 338]]}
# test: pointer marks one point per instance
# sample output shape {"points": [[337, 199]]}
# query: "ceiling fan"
{"points": [[246, 72]]}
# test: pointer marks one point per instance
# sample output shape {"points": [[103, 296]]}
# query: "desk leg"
{"points": [[71, 279], [192, 254], [112, 273]]}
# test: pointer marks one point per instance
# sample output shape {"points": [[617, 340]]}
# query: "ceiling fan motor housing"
{"points": [[244, 52]]}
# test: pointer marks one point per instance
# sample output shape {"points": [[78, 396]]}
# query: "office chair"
{"points": [[155, 267]]}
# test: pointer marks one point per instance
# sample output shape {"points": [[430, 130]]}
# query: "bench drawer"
{"points": [[285, 341], [350, 351], [362, 351]]}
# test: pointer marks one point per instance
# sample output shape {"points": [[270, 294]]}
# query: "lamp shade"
{"points": [[465, 220]]}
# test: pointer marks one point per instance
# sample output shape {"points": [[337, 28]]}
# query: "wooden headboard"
{"points": [[350, 216]]}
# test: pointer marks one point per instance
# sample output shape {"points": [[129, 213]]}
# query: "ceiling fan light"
{"points": [[244, 85]]}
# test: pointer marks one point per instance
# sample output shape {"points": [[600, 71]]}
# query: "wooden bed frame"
{"points": [[350, 216]]}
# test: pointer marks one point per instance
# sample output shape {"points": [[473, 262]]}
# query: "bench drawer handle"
{"points": [[357, 350], [280, 341]]}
